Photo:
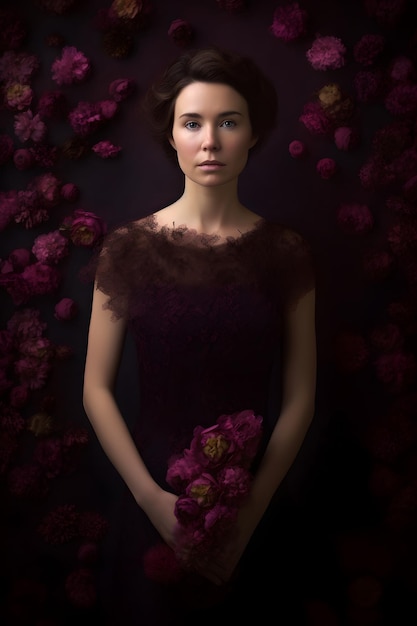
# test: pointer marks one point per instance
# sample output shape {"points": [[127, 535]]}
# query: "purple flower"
{"points": [[106, 149], [327, 53], [28, 126], [50, 248], [297, 149], [289, 22], [72, 67]]}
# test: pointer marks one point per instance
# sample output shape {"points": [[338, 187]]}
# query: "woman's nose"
{"points": [[210, 139]]}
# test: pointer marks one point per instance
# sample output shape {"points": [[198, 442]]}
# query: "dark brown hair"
{"points": [[211, 65]]}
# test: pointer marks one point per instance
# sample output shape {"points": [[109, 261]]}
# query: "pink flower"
{"points": [[396, 370], [386, 12], [19, 396], [327, 53], [41, 278], [28, 126], [121, 88], [346, 138], [85, 118], [401, 69], [50, 248], [80, 588], [70, 192], [6, 148], [48, 186], [297, 149], [44, 155], [204, 490], [368, 48], [289, 22], [66, 309], [326, 168], [106, 149], [315, 119], [17, 67], [181, 32], [18, 96], [72, 67], [355, 218], [23, 159], [84, 228], [108, 109]]}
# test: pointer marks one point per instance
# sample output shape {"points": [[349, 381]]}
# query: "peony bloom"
{"points": [[346, 138], [84, 228], [326, 53], [6, 148], [72, 67], [368, 48], [180, 32], [28, 126], [50, 248], [41, 278], [23, 159], [121, 88], [297, 149], [106, 150], [108, 109], [18, 96], [66, 309], [326, 168], [85, 118], [289, 22], [355, 218], [48, 187]]}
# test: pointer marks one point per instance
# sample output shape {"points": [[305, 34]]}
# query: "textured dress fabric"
{"points": [[206, 317]]}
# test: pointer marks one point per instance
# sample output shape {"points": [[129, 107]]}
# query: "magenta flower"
{"points": [[368, 48], [121, 88], [346, 138], [355, 218], [180, 32], [327, 53], [28, 126], [72, 67], [85, 118], [48, 187], [289, 22], [60, 525], [161, 565], [70, 192], [297, 149], [18, 96], [106, 149], [19, 259], [66, 309], [402, 100], [315, 119], [17, 67], [50, 248], [84, 228], [41, 278], [23, 159], [402, 70], [231, 6], [326, 168]]}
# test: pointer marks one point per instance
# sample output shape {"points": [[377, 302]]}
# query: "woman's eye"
{"points": [[191, 125], [229, 123]]}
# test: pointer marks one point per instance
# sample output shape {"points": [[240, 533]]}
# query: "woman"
{"points": [[221, 304]]}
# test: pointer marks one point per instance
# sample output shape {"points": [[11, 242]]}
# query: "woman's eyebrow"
{"points": [[199, 116]]}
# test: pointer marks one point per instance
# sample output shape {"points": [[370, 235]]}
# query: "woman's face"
{"points": [[211, 133]]}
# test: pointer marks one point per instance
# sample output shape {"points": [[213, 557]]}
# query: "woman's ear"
{"points": [[172, 142], [254, 141]]}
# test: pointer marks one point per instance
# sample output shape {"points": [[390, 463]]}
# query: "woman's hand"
{"points": [[160, 510]]}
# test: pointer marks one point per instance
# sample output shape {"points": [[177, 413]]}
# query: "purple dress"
{"points": [[206, 318]]}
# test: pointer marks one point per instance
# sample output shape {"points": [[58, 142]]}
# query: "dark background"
{"points": [[354, 484]]}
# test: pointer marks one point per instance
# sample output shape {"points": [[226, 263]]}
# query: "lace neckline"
{"points": [[189, 236]]}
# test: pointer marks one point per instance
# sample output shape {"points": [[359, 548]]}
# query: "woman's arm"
{"points": [[105, 343], [298, 405]]}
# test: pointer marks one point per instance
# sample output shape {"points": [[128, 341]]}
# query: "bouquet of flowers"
{"points": [[212, 477]]}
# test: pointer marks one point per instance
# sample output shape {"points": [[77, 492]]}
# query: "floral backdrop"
{"points": [[76, 158]]}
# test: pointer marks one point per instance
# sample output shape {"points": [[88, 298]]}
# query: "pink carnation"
{"points": [[327, 53], [41, 278], [326, 168], [355, 218], [106, 149], [28, 126], [72, 67], [289, 22], [297, 149], [180, 32], [368, 48], [50, 248], [85, 118], [402, 100]]}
